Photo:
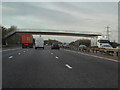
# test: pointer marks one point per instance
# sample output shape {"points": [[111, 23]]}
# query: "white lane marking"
{"points": [[68, 66], [10, 57], [105, 58], [11, 49], [100, 57], [51, 53], [94, 56], [23, 51], [56, 57], [19, 53]]}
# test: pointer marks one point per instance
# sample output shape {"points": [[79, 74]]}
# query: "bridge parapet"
{"points": [[53, 32], [59, 31]]}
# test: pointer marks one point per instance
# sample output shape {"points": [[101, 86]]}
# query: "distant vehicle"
{"points": [[118, 47], [66, 45], [60, 45], [55, 46], [39, 43], [27, 41], [82, 45], [98, 41], [106, 46]]}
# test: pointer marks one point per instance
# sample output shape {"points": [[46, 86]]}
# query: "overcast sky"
{"points": [[79, 16]]}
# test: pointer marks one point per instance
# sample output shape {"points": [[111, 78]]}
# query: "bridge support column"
{"points": [[15, 39], [4, 42]]}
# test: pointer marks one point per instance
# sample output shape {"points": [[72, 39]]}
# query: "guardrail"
{"points": [[113, 52]]}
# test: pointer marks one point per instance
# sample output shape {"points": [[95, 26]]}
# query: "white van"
{"points": [[39, 43]]}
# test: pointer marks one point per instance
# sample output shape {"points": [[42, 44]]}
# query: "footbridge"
{"points": [[52, 32]]}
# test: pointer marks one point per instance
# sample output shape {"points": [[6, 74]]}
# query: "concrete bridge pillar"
{"points": [[4, 42]]}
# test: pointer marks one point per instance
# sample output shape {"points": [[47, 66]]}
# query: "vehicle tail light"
{"points": [[26, 44]]}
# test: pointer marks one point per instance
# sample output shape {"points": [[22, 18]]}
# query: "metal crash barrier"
{"points": [[113, 52]]}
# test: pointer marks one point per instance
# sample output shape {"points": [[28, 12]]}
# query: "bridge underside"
{"points": [[60, 34]]}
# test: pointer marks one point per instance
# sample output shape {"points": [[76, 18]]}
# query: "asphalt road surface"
{"points": [[30, 68]]}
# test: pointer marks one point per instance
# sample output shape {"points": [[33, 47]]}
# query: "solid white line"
{"points": [[10, 49], [68, 66], [105, 58], [94, 56], [100, 57], [56, 57], [10, 57]]}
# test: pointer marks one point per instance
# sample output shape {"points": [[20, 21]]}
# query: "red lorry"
{"points": [[27, 41]]}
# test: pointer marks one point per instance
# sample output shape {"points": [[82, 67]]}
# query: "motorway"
{"points": [[30, 68]]}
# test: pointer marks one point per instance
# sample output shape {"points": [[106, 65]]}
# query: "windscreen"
{"points": [[103, 41]]}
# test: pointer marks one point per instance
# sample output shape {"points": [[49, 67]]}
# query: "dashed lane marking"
{"points": [[56, 57], [10, 57], [68, 66]]}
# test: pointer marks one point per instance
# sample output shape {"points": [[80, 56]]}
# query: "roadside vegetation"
{"points": [[13, 40]]}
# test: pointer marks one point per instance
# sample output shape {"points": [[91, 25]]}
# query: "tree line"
{"points": [[13, 39]]}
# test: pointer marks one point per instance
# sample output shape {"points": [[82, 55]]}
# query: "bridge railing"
{"points": [[54, 30], [49, 31]]}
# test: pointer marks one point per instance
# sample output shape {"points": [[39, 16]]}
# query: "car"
{"points": [[66, 45], [60, 45], [106, 46], [118, 47], [82, 45], [55, 46]]}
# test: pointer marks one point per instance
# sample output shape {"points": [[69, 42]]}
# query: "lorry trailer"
{"points": [[27, 41]]}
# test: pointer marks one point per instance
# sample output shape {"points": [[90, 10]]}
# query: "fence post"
{"points": [[117, 53], [96, 51]]}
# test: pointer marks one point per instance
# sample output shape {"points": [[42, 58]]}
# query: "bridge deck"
{"points": [[52, 32], [60, 33]]}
